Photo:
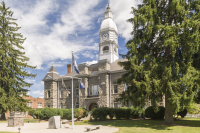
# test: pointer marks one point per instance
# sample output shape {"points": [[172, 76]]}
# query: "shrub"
{"points": [[85, 112], [182, 113], [67, 114], [150, 113], [31, 113], [85, 121], [120, 113], [100, 113], [111, 112], [37, 113], [78, 113]]}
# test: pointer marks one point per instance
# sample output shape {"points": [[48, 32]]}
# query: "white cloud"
{"points": [[38, 92], [91, 62], [45, 42], [121, 10]]}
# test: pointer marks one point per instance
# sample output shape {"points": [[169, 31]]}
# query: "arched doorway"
{"points": [[92, 106]]}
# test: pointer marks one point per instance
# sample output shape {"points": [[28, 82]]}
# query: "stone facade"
{"points": [[15, 119]]}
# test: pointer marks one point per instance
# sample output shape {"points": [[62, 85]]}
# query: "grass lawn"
{"points": [[186, 125]]}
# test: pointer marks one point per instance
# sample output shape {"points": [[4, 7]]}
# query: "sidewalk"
{"points": [[65, 128]]}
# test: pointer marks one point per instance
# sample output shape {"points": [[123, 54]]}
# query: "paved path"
{"points": [[65, 128]]}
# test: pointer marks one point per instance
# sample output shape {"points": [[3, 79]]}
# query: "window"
{"points": [[115, 88], [115, 104], [61, 93], [125, 87], [69, 92], [77, 91], [25, 113], [48, 94], [94, 90], [39, 105], [77, 105], [105, 49], [29, 104], [48, 105]]}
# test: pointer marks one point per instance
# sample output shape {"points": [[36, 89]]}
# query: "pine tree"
{"points": [[163, 55], [12, 64]]}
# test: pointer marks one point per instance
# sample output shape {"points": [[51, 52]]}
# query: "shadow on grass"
{"points": [[153, 124]]}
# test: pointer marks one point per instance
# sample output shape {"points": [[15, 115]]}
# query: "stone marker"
{"points": [[15, 119], [54, 122]]}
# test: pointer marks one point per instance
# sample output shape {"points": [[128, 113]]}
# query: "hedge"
{"points": [[119, 113], [46, 113]]}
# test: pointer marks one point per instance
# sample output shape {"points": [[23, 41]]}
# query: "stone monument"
{"points": [[15, 119], [54, 122]]}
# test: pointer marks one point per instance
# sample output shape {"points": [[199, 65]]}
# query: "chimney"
{"points": [[69, 68]]}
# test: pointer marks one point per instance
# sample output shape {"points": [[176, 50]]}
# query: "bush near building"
{"points": [[47, 113], [119, 113]]}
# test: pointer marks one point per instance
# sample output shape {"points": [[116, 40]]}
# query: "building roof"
{"points": [[69, 75], [52, 74], [114, 66]]}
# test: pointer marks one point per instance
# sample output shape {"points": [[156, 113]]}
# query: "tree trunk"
{"points": [[168, 111], [3, 116]]}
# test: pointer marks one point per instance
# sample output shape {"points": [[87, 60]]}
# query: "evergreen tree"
{"points": [[12, 64], [163, 54]]}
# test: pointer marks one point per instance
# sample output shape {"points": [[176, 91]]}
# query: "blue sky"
{"points": [[54, 28]]}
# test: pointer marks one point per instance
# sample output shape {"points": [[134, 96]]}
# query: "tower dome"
{"points": [[108, 23]]}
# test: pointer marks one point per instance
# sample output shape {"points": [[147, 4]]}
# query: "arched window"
{"points": [[105, 49]]}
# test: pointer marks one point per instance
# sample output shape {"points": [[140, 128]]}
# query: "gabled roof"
{"points": [[52, 74]]}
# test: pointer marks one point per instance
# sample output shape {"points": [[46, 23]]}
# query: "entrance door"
{"points": [[92, 106]]}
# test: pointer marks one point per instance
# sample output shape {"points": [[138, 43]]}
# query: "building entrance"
{"points": [[92, 106]]}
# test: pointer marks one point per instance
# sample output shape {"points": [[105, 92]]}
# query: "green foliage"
{"points": [[111, 112], [182, 113], [67, 114], [85, 112], [31, 113], [100, 113], [13, 64], [151, 113], [85, 121], [47, 113], [119, 113], [78, 113], [193, 109], [163, 56]]}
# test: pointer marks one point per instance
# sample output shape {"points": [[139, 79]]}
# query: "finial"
{"points": [[108, 6]]}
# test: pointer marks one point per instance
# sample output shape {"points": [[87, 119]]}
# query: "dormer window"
{"points": [[105, 49]]}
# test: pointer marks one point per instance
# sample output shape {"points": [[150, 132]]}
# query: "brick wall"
{"points": [[34, 102]]}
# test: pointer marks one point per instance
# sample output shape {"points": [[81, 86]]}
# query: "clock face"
{"points": [[104, 36]]}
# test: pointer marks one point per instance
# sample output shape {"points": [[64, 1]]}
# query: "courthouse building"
{"points": [[99, 79]]}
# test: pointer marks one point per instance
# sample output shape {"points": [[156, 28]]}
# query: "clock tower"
{"points": [[108, 35]]}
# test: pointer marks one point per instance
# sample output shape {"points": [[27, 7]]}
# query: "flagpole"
{"points": [[72, 96]]}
